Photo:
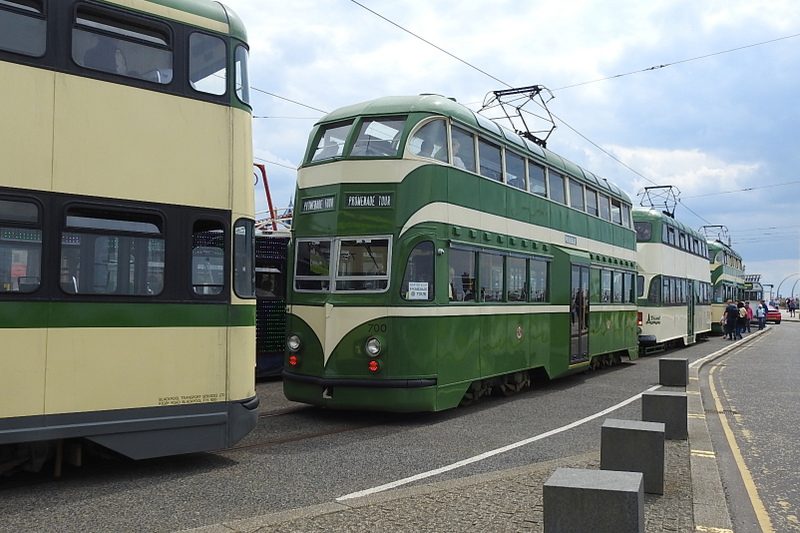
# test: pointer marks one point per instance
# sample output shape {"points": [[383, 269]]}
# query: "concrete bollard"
{"points": [[600, 501], [673, 371], [634, 446], [669, 408]]}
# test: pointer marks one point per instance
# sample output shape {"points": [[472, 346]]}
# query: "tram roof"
{"points": [[441, 105], [717, 245], [209, 9], [645, 213]]}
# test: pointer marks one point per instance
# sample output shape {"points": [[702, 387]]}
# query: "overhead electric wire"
{"points": [[745, 189], [254, 88], [603, 150], [393, 23], [678, 62], [510, 86], [275, 163]]}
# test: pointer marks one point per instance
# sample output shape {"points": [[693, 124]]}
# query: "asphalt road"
{"points": [[299, 456], [757, 388]]}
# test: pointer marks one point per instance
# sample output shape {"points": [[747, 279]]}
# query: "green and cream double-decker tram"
{"points": [[126, 228], [727, 280], [674, 293], [437, 256]]}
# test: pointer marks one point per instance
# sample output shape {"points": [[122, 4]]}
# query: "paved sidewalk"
{"points": [[511, 500]]}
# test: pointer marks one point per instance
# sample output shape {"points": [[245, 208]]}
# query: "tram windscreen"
{"points": [[363, 265], [312, 269]]}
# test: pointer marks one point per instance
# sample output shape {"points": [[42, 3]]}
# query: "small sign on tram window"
{"points": [[368, 200], [324, 203], [417, 290]]}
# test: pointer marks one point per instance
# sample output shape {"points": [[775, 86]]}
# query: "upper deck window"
{"points": [[463, 149], [557, 188], [616, 212], [331, 140], [22, 27], [515, 170], [242, 74], [605, 207], [490, 160], [430, 141], [379, 137], [536, 176], [123, 45], [576, 195], [207, 64], [591, 201], [644, 231]]}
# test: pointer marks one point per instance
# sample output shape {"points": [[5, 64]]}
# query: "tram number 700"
{"points": [[377, 327]]}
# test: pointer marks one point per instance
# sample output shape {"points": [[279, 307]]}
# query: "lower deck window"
{"points": [[112, 253], [418, 278], [208, 258], [20, 246]]}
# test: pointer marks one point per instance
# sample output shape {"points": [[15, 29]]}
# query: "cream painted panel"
{"points": [[172, 13], [242, 363], [118, 368], [390, 171], [463, 216], [331, 324], [242, 164], [26, 138], [22, 360], [123, 142]]}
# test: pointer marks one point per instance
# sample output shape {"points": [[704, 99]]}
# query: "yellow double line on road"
{"points": [[750, 486]]}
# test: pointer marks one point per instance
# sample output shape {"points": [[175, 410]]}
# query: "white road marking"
{"points": [[491, 453]]}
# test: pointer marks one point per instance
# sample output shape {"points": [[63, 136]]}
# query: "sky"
{"points": [[720, 117]]}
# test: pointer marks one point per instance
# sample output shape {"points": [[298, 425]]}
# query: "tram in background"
{"points": [[271, 247], [437, 257], [727, 280], [127, 306], [674, 289]]}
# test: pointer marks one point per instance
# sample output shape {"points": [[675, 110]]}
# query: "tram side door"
{"points": [[579, 314]]}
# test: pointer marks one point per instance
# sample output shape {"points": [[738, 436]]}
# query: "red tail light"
{"points": [[293, 360], [374, 366], [639, 318]]}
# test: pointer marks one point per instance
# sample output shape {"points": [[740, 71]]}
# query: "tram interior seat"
{"points": [[28, 283]]}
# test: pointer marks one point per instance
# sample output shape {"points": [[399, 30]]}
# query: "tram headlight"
{"points": [[373, 347], [293, 343]]}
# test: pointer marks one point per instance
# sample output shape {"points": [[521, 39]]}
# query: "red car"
{"points": [[773, 315]]}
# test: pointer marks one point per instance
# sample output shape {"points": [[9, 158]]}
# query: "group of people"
{"points": [[791, 305], [737, 317]]}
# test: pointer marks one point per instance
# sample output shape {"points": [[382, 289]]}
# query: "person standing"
{"points": [[741, 317], [729, 319], [762, 314], [749, 315]]}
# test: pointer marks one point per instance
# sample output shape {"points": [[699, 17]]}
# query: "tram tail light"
{"points": [[374, 366], [639, 318], [293, 360]]}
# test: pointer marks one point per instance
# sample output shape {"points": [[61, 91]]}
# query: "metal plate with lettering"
{"points": [[323, 203], [368, 200]]}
